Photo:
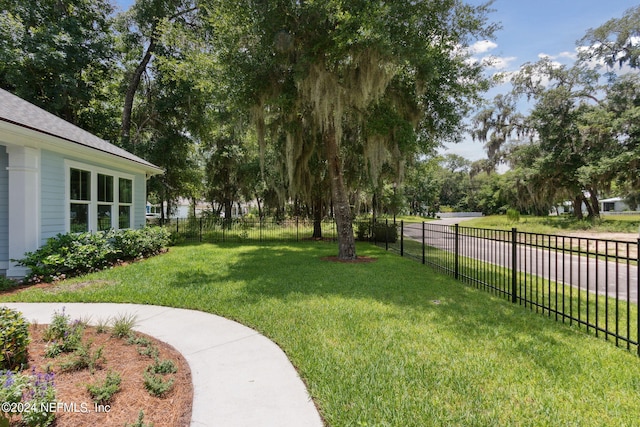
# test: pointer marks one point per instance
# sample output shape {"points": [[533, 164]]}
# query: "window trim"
{"points": [[93, 196]]}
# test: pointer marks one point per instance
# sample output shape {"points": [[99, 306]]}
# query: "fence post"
{"points": [[402, 237], [423, 244], [457, 251], [386, 234], [200, 229], [177, 225], [514, 265]]}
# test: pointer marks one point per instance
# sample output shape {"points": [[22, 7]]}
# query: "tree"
{"points": [[573, 132], [615, 41], [141, 34], [331, 63], [57, 55], [495, 126]]}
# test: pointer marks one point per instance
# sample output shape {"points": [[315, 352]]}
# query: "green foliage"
{"points": [[64, 336], [101, 392], [14, 339], [162, 367], [384, 232], [36, 390], [513, 215], [363, 228], [149, 351], [74, 254], [156, 385], [122, 326], [83, 357], [139, 422], [7, 284]]}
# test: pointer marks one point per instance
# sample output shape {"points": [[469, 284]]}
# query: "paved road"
{"points": [[604, 277]]}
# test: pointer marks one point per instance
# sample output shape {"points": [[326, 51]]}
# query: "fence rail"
{"points": [[592, 283], [204, 229]]}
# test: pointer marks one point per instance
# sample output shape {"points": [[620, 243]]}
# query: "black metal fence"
{"points": [[592, 283], [213, 229]]}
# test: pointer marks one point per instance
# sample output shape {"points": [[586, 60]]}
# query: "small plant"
{"points": [[40, 393], [162, 367], [102, 326], [64, 336], [123, 326], [156, 385], [138, 340], [150, 351], [139, 422], [19, 391], [84, 358], [513, 215], [14, 339], [102, 391]]}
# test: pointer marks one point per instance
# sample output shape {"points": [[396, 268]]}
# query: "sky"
{"points": [[532, 29]]}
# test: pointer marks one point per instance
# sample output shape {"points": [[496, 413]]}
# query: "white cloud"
{"points": [[562, 56], [481, 46], [498, 62]]}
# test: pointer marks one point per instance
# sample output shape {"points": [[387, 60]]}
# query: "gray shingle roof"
{"points": [[22, 113]]}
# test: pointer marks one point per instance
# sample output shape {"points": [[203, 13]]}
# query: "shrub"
{"points": [[156, 385], [513, 215], [83, 358], [73, 254], [7, 284], [64, 336], [363, 228], [383, 232], [102, 392], [162, 367], [14, 339]]}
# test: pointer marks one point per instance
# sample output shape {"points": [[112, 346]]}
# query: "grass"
{"points": [[559, 224], [389, 343], [595, 313]]}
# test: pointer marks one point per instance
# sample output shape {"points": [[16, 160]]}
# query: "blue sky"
{"points": [[533, 28]]}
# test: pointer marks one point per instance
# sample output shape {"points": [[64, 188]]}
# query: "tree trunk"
{"points": [[577, 207], [595, 204], [125, 132], [317, 218], [259, 207], [346, 239]]}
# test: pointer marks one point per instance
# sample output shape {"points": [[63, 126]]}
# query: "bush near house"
{"points": [[72, 254]]}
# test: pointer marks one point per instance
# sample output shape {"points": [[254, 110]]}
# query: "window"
{"points": [[105, 201], [80, 197], [125, 192], [98, 199]]}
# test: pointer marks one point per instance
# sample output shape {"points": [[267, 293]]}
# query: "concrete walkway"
{"points": [[240, 378]]}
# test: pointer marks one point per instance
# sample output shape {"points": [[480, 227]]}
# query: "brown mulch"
{"points": [[358, 260], [172, 410]]}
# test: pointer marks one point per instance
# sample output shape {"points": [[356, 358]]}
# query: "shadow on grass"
{"points": [[294, 272]]}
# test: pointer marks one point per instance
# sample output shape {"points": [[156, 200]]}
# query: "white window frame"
{"points": [[93, 196]]}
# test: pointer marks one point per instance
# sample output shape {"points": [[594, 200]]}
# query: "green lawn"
{"points": [[558, 224], [389, 343]]}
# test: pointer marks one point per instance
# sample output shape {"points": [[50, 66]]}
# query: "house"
{"points": [[614, 204], [57, 178]]}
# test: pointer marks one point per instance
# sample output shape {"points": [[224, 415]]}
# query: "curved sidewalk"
{"points": [[240, 378]]}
